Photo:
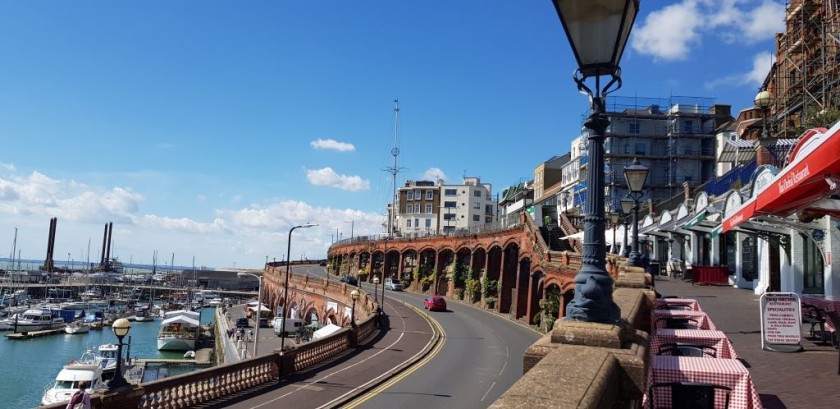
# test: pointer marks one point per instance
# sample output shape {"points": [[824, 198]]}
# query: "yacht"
{"points": [[37, 320], [87, 368], [142, 314], [107, 359], [77, 327], [178, 331]]}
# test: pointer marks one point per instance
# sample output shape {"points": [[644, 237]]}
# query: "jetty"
{"points": [[34, 334]]}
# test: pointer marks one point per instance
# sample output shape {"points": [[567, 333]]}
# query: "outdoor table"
{"points": [[691, 303], [724, 372], [715, 339], [702, 319], [826, 303], [709, 275]]}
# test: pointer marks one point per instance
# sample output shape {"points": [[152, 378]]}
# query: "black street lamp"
{"points": [[597, 31], [763, 100], [376, 285], [120, 328], [355, 296], [635, 175], [614, 222], [286, 295], [626, 208]]}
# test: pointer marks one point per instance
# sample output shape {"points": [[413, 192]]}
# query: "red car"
{"points": [[434, 303]]}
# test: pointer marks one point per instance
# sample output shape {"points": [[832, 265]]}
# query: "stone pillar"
{"points": [[400, 265]]}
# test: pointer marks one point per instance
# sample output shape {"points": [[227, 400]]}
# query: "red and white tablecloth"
{"points": [[823, 302], [703, 320], [692, 304], [724, 372], [715, 339]]}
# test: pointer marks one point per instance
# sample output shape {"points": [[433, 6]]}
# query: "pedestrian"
{"points": [[250, 335], [80, 399]]}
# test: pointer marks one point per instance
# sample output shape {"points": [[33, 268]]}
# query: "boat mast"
{"points": [[14, 249]]}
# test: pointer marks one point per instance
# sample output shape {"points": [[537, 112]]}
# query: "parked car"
{"points": [[434, 303], [393, 285], [349, 280], [322, 263], [292, 325], [263, 322], [242, 323]]}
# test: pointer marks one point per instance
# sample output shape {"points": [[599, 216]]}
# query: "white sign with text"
{"points": [[781, 322]]}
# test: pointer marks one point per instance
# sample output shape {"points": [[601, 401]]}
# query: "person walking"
{"points": [[80, 399], [250, 335]]}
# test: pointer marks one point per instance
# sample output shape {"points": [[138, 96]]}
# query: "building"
{"points": [[425, 207], [515, 200]]}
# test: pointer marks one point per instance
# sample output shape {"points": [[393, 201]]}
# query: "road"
{"points": [[481, 357]]}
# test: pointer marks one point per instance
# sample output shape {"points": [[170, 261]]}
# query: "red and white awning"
{"points": [[808, 182]]}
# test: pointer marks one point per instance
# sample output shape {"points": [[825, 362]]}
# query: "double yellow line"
{"points": [[440, 334]]}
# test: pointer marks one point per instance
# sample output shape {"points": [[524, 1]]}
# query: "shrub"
{"points": [[459, 293], [491, 301]]}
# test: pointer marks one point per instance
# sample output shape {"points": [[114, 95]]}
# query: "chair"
{"points": [[689, 395], [812, 315], [678, 323], [685, 349]]}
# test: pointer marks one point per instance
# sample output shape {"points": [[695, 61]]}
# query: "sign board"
{"points": [[781, 322]]}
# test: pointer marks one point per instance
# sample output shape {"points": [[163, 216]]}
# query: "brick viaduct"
{"points": [[516, 260]]}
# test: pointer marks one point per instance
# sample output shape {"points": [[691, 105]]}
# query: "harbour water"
{"points": [[28, 367]]}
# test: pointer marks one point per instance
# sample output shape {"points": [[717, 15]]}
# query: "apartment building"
{"points": [[427, 207]]}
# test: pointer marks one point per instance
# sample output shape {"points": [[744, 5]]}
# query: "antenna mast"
{"points": [[394, 170]]}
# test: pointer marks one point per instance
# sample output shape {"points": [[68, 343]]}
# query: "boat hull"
{"points": [[175, 344]]}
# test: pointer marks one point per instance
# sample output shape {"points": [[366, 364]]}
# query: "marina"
{"points": [[33, 363]]}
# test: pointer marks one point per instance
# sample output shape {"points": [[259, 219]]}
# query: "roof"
{"points": [[180, 319], [738, 150], [185, 313]]}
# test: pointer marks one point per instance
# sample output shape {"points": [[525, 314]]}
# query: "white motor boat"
{"points": [[86, 368], [142, 314], [77, 327], [178, 331], [214, 302], [37, 320], [107, 359]]}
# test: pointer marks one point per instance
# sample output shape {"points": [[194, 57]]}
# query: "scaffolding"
{"points": [[805, 76]]}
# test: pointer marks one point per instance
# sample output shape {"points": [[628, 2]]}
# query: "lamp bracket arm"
{"points": [[612, 86]]}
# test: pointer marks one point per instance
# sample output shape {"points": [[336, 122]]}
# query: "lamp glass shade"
{"points": [[597, 31], [636, 175], [354, 294], [626, 205], [614, 217], [763, 99], [121, 327], [376, 279]]}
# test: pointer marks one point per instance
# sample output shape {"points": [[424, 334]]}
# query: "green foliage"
{"points": [[536, 319], [549, 322], [459, 293], [459, 274], [552, 301], [472, 288], [490, 288], [491, 301]]}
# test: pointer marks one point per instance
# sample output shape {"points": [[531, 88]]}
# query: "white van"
{"points": [[292, 325]]}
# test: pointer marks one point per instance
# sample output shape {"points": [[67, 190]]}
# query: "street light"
{"points": [[286, 293], [597, 31], [763, 100], [626, 208], [376, 286], [259, 310], [635, 175], [355, 296], [352, 222], [120, 328]]}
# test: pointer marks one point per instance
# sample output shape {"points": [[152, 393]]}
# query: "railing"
{"points": [[535, 237], [569, 227]]}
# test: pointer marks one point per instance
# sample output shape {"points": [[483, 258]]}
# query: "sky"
{"points": [[207, 129]]}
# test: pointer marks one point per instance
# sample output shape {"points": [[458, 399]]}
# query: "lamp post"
{"points": [[355, 296], [763, 100], [286, 293], [352, 222], [120, 328], [626, 208], [259, 310], [376, 285], [635, 175], [614, 219], [597, 32]]}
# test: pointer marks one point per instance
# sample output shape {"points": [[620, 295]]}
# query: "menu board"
{"points": [[781, 322]]}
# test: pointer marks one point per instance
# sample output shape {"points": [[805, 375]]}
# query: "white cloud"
{"points": [[8, 166], [434, 174], [754, 77], [668, 33], [332, 144], [184, 224], [328, 177]]}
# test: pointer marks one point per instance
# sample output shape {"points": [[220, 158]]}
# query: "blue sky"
{"points": [[209, 128]]}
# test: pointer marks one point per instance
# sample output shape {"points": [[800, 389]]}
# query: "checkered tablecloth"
{"points": [[691, 303], [699, 316], [715, 339], [825, 303], [724, 372]]}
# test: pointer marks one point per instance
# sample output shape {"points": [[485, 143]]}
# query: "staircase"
{"points": [[569, 228]]}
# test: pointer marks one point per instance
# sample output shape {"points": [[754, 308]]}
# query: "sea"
{"points": [[28, 367]]}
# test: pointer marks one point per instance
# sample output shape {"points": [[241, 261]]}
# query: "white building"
{"points": [[426, 207]]}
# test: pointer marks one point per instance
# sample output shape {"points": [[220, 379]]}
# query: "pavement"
{"points": [[807, 379]]}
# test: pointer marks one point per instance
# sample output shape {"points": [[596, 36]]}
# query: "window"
{"points": [[688, 126], [408, 224], [488, 219], [450, 192], [477, 193], [633, 128], [449, 216], [640, 149], [417, 195], [477, 205], [428, 208], [428, 224], [417, 208], [449, 204], [476, 218], [417, 223], [409, 195], [488, 209], [430, 194]]}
